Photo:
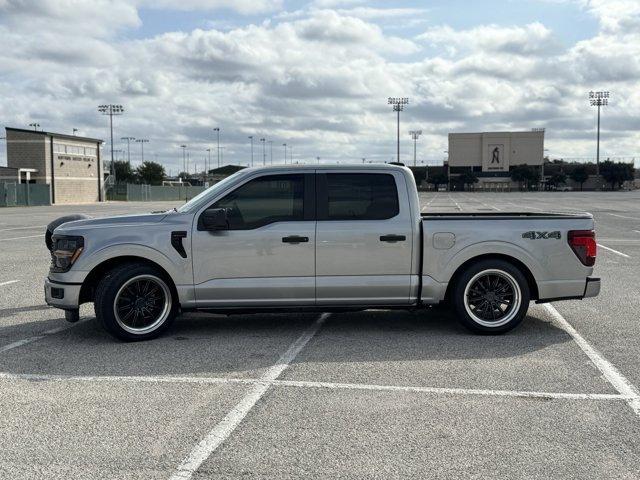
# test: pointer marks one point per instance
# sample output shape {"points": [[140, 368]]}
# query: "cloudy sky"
{"points": [[317, 74]]}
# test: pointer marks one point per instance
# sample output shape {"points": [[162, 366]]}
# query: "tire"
{"points": [[491, 297], [135, 302]]}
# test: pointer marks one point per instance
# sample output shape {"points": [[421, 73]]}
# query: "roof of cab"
{"points": [[346, 166]]}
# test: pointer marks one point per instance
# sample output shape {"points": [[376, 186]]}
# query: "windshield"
{"points": [[209, 192]]}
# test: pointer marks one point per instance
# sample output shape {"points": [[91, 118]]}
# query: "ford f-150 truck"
{"points": [[323, 238]]}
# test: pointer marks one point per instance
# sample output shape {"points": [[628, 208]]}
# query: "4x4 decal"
{"points": [[544, 235]]}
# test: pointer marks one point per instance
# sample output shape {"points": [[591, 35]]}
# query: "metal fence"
{"points": [[152, 193], [13, 194]]}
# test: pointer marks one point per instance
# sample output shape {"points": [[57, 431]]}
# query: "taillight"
{"points": [[583, 244]]}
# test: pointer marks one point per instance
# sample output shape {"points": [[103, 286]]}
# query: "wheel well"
{"points": [[531, 281], [88, 289]]}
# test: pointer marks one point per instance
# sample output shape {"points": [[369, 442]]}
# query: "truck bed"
{"points": [[503, 215]]}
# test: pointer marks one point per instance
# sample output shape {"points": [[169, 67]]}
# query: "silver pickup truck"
{"points": [[323, 238]]}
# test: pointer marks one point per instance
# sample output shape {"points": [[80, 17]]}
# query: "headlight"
{"points": [[65, 252]]}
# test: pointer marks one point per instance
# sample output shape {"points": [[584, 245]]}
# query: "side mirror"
{"points": [[214, 219]]}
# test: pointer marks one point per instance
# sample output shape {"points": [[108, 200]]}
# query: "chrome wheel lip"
{"points": [[515, 306], [162, 317]]}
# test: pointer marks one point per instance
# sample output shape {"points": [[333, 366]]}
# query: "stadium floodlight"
{"points": [[251, 138], [111, 110], [217, 130], [598, 99], [398, 106], [129, 140], [184, 158], [415, 134], [142, 141], [285, 153], [35, 126], [264, 152]]}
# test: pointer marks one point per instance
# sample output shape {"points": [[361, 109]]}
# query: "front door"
{"points": [[364, 239], [267, 256]]}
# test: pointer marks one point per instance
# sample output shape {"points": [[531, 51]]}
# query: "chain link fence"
{"points": [[13, 194], [128, 192]]}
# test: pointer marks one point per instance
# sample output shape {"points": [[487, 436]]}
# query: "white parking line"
{"points": [[614, 251], [35, 338], [8, 283], [611, 373], [623, 216], [20, 238], [21, 228], [230, 422]]}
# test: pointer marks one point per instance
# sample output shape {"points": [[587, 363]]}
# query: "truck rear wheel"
{"points": [[491, 297], [135, 302]]}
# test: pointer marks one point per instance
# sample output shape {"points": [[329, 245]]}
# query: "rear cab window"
{"points": [[357, 196]]}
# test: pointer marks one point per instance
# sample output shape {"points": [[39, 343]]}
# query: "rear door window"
{"points": [[361, 196]]}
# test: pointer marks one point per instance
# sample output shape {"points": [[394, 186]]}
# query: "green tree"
{"points": [[124, 172], [151, 173], [557, 179], [524, 174], [579, 175], [467, 179], [616, 173], [438, 179]]}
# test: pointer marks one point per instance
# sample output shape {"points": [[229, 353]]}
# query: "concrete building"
{"points": [[70, 165], [491, 155]]}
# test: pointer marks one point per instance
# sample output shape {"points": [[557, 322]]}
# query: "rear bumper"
{"points": [[592, 288], [62, 295]]}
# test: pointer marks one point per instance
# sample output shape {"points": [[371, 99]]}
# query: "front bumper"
{"points": [[592, 288], [62, 295]]}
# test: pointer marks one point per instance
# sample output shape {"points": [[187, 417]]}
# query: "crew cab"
{"points": [[318, 238]]}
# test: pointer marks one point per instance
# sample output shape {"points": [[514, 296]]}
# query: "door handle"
{"points": [[295, 239], [393, 238]]}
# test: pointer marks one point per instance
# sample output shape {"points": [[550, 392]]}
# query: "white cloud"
{"points": [[317, 78], [241, 6]]}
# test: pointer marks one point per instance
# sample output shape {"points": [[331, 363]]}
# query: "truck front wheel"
{"points": [[491, 297], [135, 302]]}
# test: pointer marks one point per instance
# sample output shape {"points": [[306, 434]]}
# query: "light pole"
{"points": [[285, 153], [206, 169], [270, 142], [415, 134], [111, 110], [142, 141], [598, 99], [184, 158], [290, 154], [264, 153], [318, 159], [251, 138], [128, 139], [35, 126], [217, 130], [74, 131], [398, 105]]}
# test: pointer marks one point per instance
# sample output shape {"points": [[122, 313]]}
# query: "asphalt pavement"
{"points": [[376, 394]]}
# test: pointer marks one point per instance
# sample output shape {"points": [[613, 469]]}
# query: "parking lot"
{"points": [[376, 394]]}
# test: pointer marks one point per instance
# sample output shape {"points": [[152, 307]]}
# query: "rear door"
{"points": [[363, 238]]}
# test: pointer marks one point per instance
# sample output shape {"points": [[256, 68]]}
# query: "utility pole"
{"points": [[128, 139], [217, 130], [285, 153], [251, 138], [264, 154], [598, 99], [184, 158], [142, 141], [398, 106], [111, 110], [415, 134]]}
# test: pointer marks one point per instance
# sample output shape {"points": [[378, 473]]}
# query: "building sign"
{"points": [[495, 161]]}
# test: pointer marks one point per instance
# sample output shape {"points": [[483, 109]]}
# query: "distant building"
{"points": [[491, 155], [69, 164]]}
